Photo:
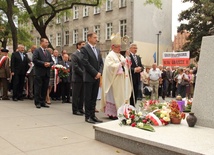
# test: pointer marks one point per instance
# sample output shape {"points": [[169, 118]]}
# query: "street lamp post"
{"points": [[157, 57]]}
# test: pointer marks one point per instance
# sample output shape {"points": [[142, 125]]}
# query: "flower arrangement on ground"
{"points": [[129, 116], [61, 71], [175, 111], [188, 106], [149, 105], [160, 116]]}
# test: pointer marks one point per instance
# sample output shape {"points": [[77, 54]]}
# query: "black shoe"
{"points": [[68, 101], [96, 119], [113, 118], [89, 120], [58, 98], [45, 106], [77, 113], [38, 106], [82, 111], [6, 98], [30, 98], [63, 101], [15, 99], [20, 98]]}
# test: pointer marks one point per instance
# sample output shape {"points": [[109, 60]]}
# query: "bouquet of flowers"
{"points": [[175, 111], [160, 116], [61, 71], [129, 116], [150, 105], [188, 106]]}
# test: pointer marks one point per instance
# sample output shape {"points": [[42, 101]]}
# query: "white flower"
{"points": [[139, 113], [140, 125], [128, 121]]}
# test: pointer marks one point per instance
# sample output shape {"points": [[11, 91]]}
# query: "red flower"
{"points": [[144, 120], [133, 124], [132, 116]]}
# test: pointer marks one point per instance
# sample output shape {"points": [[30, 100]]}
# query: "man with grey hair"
{"points": [[136, 69], [19, 67], [154, 78]]}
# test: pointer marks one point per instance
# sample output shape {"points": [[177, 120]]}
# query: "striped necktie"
{"points": [[135, 59]]}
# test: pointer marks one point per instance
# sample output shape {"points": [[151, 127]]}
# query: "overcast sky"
{"points": [[177, 7]]}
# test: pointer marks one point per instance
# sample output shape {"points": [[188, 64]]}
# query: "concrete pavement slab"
{"points": [[91, 147]]}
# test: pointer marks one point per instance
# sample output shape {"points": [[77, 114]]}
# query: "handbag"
{"points": [[184, 82]]}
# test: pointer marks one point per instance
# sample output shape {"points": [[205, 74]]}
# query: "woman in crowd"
{"points": [[181, 78]]}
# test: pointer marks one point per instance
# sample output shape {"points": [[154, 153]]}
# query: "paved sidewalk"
{"points": [[25, 130]]}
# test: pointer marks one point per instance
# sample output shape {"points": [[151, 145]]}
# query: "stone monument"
{"points": [[203, 100]]}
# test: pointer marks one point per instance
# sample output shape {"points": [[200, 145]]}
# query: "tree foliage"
{"points": [[200, 19], [41, 13]]}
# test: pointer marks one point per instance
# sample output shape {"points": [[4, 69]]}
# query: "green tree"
{"points": [[42, 12], [9, 9], [200, 19]]}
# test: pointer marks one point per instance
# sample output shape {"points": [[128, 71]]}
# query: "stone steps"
{"points": [[166, 140]]}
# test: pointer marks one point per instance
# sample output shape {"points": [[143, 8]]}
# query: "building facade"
{"points": [[180, 40], [131, 18]]}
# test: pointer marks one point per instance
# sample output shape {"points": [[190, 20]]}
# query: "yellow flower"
{"points": [[167, 119]]}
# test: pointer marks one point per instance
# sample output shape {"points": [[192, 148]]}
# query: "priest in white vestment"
{"points": [[116, 84]]}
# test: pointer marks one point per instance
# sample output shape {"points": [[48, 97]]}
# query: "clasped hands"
{"points": [[47, 64], [137, 69], [98, 76]]}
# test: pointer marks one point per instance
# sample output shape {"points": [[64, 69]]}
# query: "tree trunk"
{"points": [[10, 4]]}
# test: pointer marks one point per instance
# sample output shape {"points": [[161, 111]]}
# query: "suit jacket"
{"points": [[68, 78], [77, 67], [39, 58], [19, 66], [136, 76], [91, 64]]}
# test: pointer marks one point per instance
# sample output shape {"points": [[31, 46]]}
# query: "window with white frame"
{"points": [[123, 27], [85, 32], [97, 31], [85, 11], [108, 5], [75, 36], [51, 38], [66, 17], [108, 31], [75, 12], [122, 3], [96, 10], [58, 39], [66, 40], [58, 19]]}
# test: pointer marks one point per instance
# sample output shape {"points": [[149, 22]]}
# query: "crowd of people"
{"points": [[124, 80], [160, 81]]}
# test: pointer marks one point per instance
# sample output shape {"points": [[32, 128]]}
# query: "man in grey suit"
{"points": [[42, 62], [77, 80], [93, 66]]}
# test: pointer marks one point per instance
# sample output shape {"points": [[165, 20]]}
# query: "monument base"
{"points": [[166, 140]]}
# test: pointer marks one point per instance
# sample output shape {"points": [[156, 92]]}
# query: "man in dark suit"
{"points": [[136, 68], [93, 66], [42, 62], [19, 67], [77, 80], [66, 81]]}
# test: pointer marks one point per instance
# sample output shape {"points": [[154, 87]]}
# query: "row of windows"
{"points": [[109, 7], [76, 38]]}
